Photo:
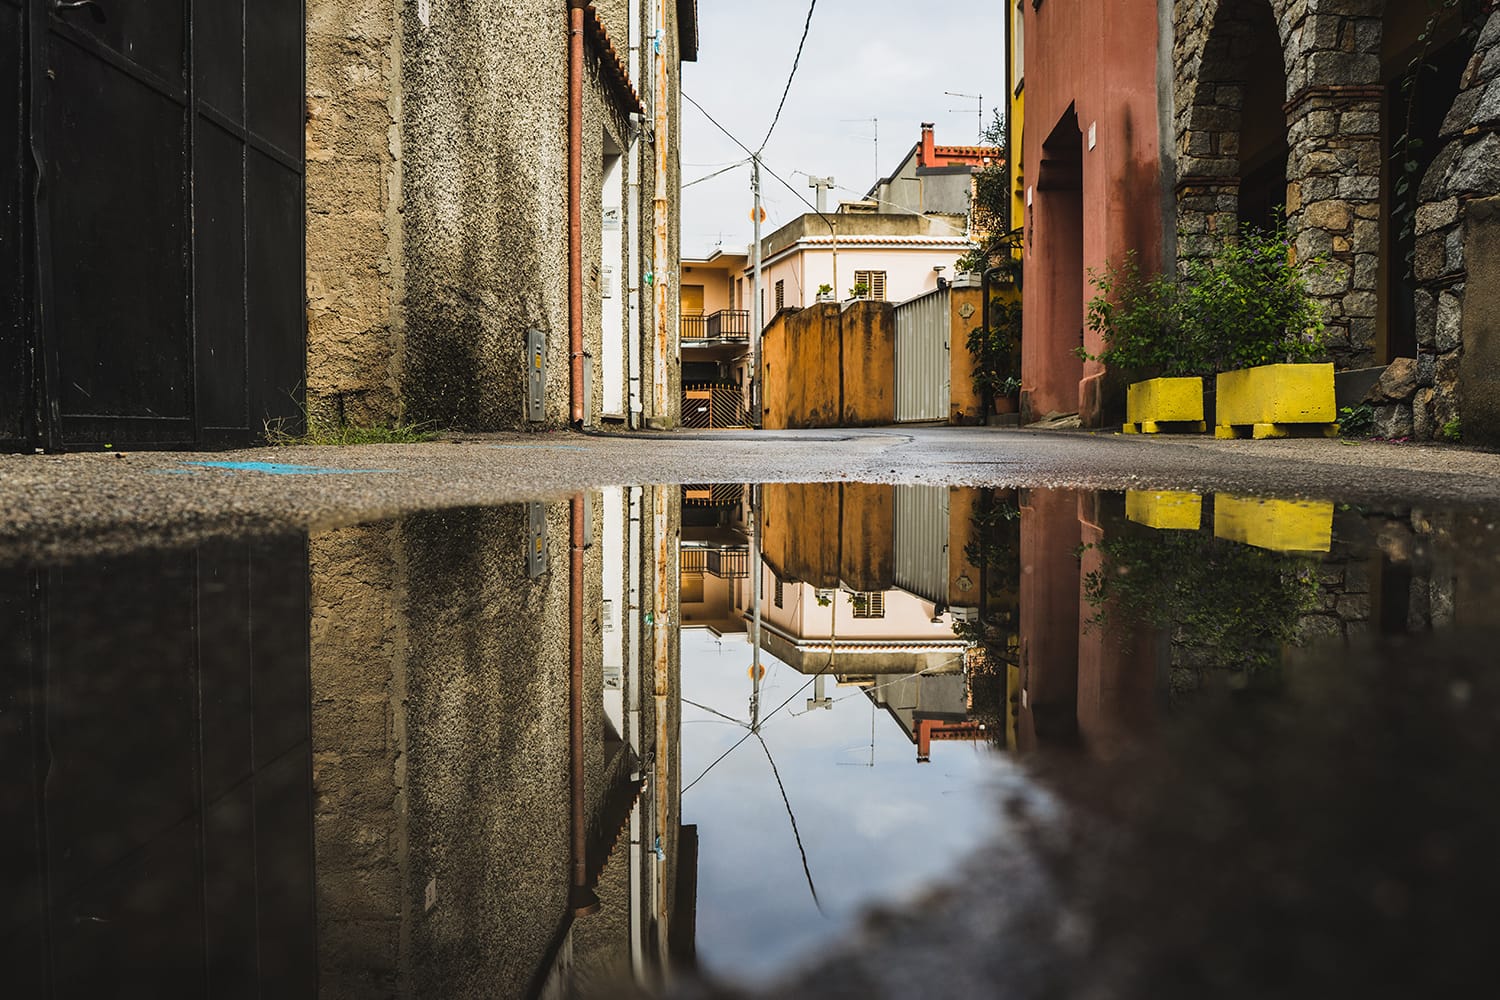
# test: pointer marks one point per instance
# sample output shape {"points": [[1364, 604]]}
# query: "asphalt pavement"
{"points": [[58, 506]]}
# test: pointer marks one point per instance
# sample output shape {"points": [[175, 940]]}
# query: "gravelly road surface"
{"points": [[60, 505]]}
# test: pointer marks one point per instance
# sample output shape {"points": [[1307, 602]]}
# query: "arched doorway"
{"points": [[1232, 131]]}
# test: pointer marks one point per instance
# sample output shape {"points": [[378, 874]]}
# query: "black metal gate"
{"points": [[152, 215]]}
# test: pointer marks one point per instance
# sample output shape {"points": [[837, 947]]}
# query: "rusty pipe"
{"points": [[581, 898], [575, 210]]}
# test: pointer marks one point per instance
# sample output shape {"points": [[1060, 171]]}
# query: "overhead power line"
{"points": [[716, 173], [754, 155], [791, 76]]}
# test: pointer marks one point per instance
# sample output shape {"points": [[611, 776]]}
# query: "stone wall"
{"points": [[1467, 170], [354, 263]]}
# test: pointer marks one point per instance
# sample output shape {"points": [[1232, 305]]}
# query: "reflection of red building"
{"points": [[938, 729]]}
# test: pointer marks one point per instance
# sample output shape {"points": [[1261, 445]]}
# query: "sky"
{"points": [[876, 834], [863, 59]]}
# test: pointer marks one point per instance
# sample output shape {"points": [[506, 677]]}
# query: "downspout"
{"points": [[633, 183], [661, 409], [581, 899], [575, 211]]}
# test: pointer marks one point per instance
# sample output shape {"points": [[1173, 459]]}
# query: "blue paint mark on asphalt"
{"points": [[284, 469]]}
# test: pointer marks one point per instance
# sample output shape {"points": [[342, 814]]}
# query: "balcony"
{"points": [[727, 326]]}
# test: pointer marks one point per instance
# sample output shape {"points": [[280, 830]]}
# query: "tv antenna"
{"points": [[960, 111], [875, 122]]}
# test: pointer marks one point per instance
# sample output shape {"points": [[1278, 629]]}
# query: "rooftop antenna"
{"points": [[876, 123], [959, 111]]}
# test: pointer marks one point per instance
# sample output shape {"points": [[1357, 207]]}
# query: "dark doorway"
{"points": [[1416, 104], [1051, 361], [1262, 141], [156, 174]]}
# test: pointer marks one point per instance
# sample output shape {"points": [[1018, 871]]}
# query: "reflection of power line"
{"points": [[753, 732], [787, 802]]}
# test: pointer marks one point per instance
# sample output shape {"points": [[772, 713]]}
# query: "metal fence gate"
{"points": [[713, 406], [151, 221], [920, 516], [923, 381]]}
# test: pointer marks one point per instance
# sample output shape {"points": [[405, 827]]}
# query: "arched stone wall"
{"points": [[1331, 54], [1466, 171]]}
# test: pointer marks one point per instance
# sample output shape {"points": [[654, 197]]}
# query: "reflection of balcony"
{"points": [[726, 564], [725, 326]]}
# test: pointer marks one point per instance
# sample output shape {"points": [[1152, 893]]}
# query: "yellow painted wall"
{"points": [[868, 378]]}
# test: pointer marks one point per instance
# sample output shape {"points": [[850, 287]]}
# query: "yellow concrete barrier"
{"points": [[1168, 510], [1278, 525], [1276, 400], [1164, 404]]}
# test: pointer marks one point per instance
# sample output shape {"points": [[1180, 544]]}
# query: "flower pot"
{"points": [[1272, 401], [1164, 404], [1005, 404]]}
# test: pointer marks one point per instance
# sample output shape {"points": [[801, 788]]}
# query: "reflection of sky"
{"points": [[872, 834]]}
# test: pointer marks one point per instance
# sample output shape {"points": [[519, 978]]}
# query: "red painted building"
{"points": [[1092, 180]]}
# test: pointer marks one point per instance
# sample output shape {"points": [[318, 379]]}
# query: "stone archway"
{"points": [[1457, 263], [1330, 56]]}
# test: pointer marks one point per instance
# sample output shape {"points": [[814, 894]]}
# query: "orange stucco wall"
{"points": [[1098, 60], [828, 534], [830, 366], [868, 377]]}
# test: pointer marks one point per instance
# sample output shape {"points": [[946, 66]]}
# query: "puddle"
{"points": [[1154, 744]]}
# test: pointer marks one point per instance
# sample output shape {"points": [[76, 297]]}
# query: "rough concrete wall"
{"points": [[813, 366], [801, 531], [867, 536], [353, 220], [776, 374], [359, 825], [867, 355], [486, 226], [965, 405]]}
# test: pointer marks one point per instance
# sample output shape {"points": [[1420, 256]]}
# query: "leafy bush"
{"points": [[996, 365], [1247, 306], [1357, 421]]}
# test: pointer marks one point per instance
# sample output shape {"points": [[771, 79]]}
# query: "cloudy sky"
{"points": [[863, 59]]}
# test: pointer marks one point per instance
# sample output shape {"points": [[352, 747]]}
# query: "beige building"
{"points": [[440, 279]]}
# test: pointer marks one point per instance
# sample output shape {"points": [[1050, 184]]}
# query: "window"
{"points": [[780, 295], [868, 605], [1019, 47], [874, 282], [779, 594]]}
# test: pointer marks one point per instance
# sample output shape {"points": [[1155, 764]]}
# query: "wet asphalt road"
{"points": [[59, 506]]}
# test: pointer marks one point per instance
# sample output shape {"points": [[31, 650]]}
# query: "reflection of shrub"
{"points": [[1227, 607]]}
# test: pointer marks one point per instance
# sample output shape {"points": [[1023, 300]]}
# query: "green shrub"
{"points": [[1452, 432], [1357, 421], [1247, 306], [996, 361]]}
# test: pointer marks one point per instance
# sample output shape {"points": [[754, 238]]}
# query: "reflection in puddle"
{"points": [[504, 752]]}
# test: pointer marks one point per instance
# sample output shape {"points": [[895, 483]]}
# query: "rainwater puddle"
{"points": [[1021, 742]]}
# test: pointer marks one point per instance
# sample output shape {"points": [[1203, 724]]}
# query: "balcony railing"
{"points": [[726, 564], [724, 325]]}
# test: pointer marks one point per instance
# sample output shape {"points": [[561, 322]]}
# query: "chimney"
{"points": [[928, 152]]}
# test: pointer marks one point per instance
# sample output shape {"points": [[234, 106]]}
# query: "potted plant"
{"points": [[1246, 309], [996, 356], [859, 291], [825, 293]]}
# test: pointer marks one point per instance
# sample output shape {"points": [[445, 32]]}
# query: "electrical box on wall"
{"points": [[536, 375], [536, 540]]}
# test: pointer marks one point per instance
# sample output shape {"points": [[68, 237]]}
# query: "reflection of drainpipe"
{"points": [[575, 210], [581, 898]]}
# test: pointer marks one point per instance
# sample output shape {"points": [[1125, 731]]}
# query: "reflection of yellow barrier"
{"points": [[1273, 400], [1278, 525], [1164, 509], [1164, 404]]}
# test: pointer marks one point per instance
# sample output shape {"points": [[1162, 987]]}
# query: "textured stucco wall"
{"points": [[353, 217], [867, 353], [437, 209]]}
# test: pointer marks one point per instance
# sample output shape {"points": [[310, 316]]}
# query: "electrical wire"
{"points": [[754, 155], [789, 815], [716, 173], [806, 26], [704, 773]]}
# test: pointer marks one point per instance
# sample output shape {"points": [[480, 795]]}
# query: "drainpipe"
{"points": [[633, 183], [659, 109], [575, 210], [984, 326], [581, 898]]}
